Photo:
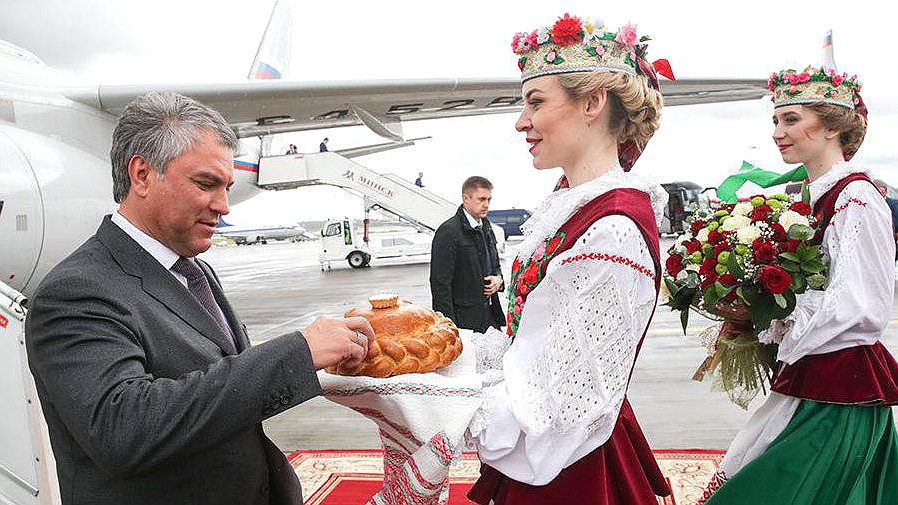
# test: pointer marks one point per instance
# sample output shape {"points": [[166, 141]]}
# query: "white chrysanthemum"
{"points": [[733, 223], [542, 35], [790, 217], [692, 267], [742, 209], [702, 235], [748, 234], [683, 238]]}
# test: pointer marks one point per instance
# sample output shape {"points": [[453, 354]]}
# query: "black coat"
{"points": [[457, 268], [146, 400]]}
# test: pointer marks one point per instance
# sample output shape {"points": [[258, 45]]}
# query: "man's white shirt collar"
{"points": [[165, 256], [473, 222]]}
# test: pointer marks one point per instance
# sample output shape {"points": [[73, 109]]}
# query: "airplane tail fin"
{"points": [[829, 60], [273, 56], [222, 223]]}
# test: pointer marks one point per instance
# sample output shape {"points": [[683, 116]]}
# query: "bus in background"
{"points": [[681, 196], [510, 220]]}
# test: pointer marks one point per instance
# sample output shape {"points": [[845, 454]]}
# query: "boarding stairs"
{"points": [[385, 192]]}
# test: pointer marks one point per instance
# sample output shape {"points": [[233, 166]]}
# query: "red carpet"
{"points": [[352, 477]]}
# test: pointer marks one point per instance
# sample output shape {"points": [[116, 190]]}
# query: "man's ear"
{"points": [[142, 174], [594, 105]]}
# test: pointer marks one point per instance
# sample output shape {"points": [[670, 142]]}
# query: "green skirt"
{"points": [[828, 455]]}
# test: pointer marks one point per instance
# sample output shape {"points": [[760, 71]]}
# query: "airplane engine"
{"points": [[52, 197]]}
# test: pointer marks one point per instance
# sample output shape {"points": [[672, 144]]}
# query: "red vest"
{"points": [[864, 374], [623, 470]]}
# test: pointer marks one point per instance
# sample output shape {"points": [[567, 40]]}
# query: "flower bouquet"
{"points": [[742, 264]]}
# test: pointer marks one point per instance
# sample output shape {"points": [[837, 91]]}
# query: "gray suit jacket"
{"points": [[147, 402]]}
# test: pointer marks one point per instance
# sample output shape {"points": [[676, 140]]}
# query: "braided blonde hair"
{"points": [[635, 107]]}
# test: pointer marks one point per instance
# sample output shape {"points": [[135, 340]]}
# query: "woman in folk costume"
{"points": [[555, 425], [825, 435]]}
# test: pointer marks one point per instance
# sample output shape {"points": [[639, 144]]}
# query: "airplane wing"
{"points": [[265, 107]]}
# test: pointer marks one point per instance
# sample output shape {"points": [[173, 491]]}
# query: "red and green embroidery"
{"points": [[526, 276]]}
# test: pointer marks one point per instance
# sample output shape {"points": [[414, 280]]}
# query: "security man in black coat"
{"points": [[465, 277]]}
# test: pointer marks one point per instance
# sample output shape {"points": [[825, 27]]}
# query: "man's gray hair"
{"points": [[159, 127]]}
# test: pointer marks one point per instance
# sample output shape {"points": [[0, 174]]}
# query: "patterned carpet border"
{"points": [[323, 471]]}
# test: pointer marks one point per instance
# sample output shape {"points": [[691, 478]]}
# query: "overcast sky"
{"points": [[215, 41]]}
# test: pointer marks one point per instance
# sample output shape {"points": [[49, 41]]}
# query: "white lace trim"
{"points": [[489, 348], [559, 206], [838, 172]]}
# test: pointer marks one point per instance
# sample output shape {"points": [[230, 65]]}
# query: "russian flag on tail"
{"points": [[828, 39]]}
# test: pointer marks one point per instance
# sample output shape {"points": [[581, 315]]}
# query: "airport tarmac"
{"points": [[279, 287]]}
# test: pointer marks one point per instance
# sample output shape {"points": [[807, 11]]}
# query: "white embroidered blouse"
{"points": [[562, 383], [859, 249]]}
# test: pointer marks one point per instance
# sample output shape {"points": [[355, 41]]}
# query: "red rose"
{"points": [[708, 267], [719, 248], [674, 264], [530, 274], [779, 233], [516, 265], [790, 245], [774, 279], [523, 289], [764, 252], [760, 213], [727, 279], [697, 226], [692, 246], [567, 31], [553, 245], [715, 237], [801, 207]]}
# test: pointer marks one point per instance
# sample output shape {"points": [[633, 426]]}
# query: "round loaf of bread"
{"points": [[407, 339]]}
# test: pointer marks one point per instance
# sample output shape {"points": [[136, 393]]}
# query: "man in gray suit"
{"points": [[151, 390]]}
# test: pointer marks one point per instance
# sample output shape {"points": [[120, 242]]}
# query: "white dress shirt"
{"points": [[165, 256]]}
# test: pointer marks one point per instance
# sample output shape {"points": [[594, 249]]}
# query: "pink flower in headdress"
{"points": [[857, 100], [837, 80], [600, 49], [802, 78], [516, 42], [790, 77], [551, 56], [832, 93], [627, 35], [530, 42], [793, 90]]}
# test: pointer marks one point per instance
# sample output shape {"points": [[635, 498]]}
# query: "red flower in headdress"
{"points": [[567, 31]]}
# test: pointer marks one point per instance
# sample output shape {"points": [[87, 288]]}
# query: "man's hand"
{"points": [[335, 340], [492, 283]]}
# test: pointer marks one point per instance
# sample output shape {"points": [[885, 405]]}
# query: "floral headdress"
{"points": [[574, 45], [814, 85]]}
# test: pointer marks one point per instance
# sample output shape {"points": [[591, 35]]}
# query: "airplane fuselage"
{"points": [[55, 175]]}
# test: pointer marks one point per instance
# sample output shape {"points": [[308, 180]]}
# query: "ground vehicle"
{"points": [[681, 195], [510, 220], [340, 240]]}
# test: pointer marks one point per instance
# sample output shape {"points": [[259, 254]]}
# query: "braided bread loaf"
{"points": [[407, 339]]}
